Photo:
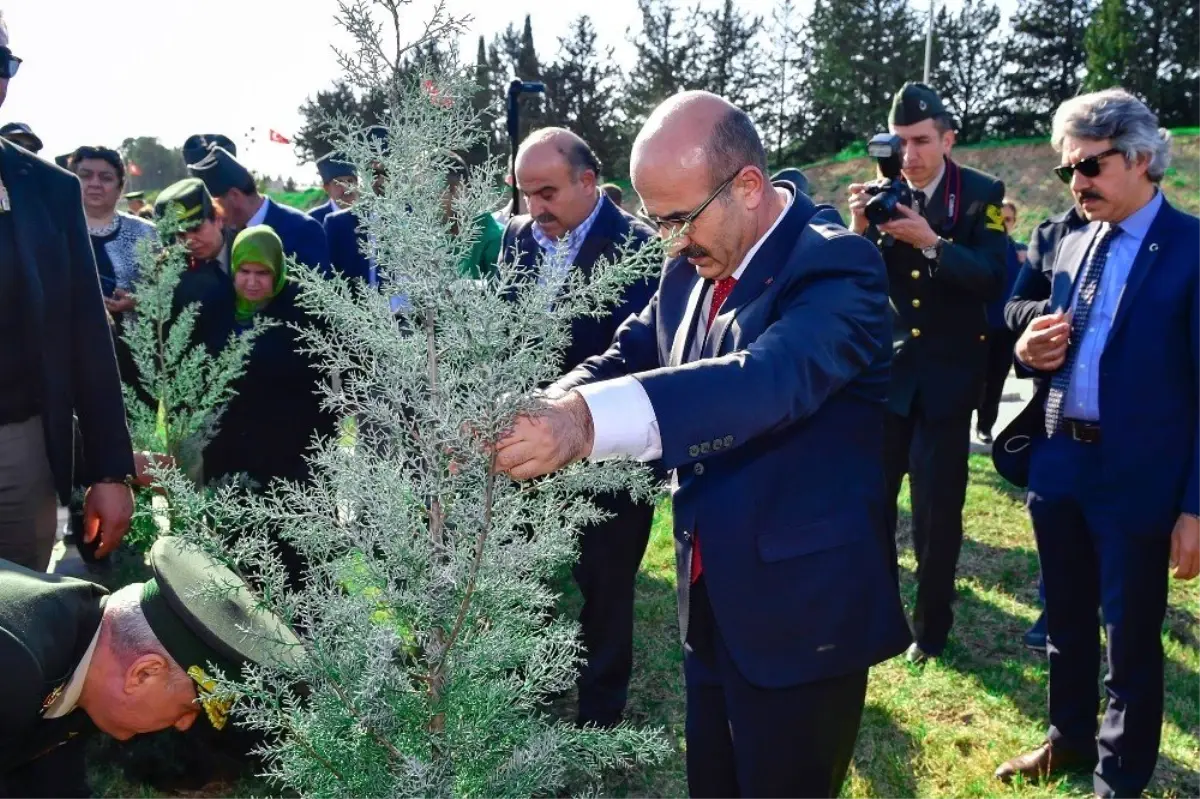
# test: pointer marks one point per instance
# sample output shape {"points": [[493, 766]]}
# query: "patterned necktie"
{"points": [[720, 292], [1089, 285]]}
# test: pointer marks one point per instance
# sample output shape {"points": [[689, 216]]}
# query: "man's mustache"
{"points": [[693, 251], [545, 219], [1089, 194]]}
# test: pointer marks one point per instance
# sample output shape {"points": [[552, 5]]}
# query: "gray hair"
{"points": [[3, 30], [130, 633], [734, 144], [1117, 115]]}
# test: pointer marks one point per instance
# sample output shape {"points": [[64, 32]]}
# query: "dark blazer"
{"points": [[347, 245], [323, 210], [1039, 261], [612, 228], [1149, 373], [943, 363], [302, 236], [78, 363], [46, 625], [776, 439]]}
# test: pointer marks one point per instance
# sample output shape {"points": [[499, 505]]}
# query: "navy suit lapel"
{"points": [[761, 270], [684, 334], [25, 208], [1067, 266], [1146, 257]]}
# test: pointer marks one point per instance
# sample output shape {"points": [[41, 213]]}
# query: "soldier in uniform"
{"points": [[945, 259], [339, 180], [196, 147], [135, 201], [77, 659]]}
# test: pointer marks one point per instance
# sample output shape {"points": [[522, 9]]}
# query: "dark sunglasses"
{"points": [[1088, 167], [9, 63], [681, 222]]}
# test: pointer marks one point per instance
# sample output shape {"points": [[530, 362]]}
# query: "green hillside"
{"points": [[1025, 169]]}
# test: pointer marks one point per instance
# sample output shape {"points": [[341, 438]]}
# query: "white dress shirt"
{"points": [[623, 419], [260, 215], [69, 698]]}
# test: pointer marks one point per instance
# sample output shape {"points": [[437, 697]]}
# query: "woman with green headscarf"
{"points": [[269, 426]]}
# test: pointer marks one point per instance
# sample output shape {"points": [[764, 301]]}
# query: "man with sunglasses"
{"points": [[1108, 446], [758, 373], [57, 361], [946, 260], [573, 223]]}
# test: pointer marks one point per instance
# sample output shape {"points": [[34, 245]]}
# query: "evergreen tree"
{"points": [[1045, 56], [784, 85], [968, 58], [430, 647], [528, 67], [487, 107], [731, 57], [1109, 40], [314, 139], [862, 53], [582, 87], [161, 166], [665, 59]]}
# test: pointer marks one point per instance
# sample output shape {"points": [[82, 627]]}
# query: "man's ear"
{"points": [[949, 138], [146, 670], [754, 185]]}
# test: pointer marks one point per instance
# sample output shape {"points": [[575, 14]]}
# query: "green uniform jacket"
{"points": [[939, 315], [47, 623]]}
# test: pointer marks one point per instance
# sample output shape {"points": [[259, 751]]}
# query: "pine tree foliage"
{"points": [[731, 56], [1045, 57], [183, 389], [784, 86], [431, 651], [666, 62], [969, 58]]}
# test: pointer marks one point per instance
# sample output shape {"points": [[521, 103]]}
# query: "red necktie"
{"points": [[720, 291]]}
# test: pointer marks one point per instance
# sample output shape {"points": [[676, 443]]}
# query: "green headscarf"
{"points": [[257, 245]]}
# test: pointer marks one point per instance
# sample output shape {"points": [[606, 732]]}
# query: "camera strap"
{"points": [[952, 180]]}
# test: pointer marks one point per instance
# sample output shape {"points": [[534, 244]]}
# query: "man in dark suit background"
{"points": [[1109, 444], [945, 259], [558, 174], [758, 372], [233, 186], [339, 181], [56, 362]]}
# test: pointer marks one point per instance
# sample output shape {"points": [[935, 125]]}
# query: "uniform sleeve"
{"points": [[976, 262]]}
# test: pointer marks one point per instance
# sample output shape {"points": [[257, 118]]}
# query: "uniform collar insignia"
{"points": [[53, 696]]}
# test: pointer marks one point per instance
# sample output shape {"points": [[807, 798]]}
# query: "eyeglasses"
{"points": [[679, 223], [9, 63], [1088, 167]]}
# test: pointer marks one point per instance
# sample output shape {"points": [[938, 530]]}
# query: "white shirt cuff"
{"points": [[623, 420]]}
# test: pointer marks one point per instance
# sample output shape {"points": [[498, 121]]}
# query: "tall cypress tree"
{"points": [[528, 67], [968, 57], [1109, 40], [731, 57], [665, 62], [1046, 54]]}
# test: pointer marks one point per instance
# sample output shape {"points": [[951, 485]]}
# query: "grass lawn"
{"points": [[936, 731]]}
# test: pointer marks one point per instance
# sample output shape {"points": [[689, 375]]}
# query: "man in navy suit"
{"points": [[1109, 440], [558, 174], [339, 180], [233, 186], [758, 373]]}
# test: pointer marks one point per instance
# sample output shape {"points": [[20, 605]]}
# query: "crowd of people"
{"points": [[784, 372]]}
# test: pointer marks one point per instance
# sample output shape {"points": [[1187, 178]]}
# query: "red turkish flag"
{"points": [[279, 138], [135, 170]]}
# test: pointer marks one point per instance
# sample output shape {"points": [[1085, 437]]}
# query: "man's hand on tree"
{"points": [[558, 433]]}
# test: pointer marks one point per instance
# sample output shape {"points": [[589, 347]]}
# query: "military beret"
{"points": [[22, 134], [915, 102], [196, 146], [331, 167], [204, 615], [221, 172], [191, 199]]}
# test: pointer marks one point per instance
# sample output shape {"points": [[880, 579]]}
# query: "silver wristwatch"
{"points": [[933, 251]]}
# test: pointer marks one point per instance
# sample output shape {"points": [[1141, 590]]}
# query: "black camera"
{"points": [[890, 190]]}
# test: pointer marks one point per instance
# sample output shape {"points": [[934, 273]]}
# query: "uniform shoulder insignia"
{"points": [[52, 697], [827, 230], [995, 218]]}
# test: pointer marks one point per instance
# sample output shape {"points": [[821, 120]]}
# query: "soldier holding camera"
{"points": [[941, 231]]}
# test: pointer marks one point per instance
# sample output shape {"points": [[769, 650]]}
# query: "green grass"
{"points": [[940, 730]]}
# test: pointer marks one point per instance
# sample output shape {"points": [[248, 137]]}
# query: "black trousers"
{"points": [[1090, 562], [933, 453], [999, 361], [610, 554], [743, 740]]}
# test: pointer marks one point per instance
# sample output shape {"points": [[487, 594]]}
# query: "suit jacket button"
{"points": [[916, 332], [728, 442], [687, 536], [916, 273], [983, 336], [693, 451], [705, 448], [698, 469], [916, 303], [717, 444]]}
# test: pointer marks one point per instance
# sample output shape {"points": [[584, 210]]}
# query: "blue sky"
{"points": [[97, 71]]}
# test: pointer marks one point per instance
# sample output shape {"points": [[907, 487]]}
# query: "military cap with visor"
{"points": [[191, 200]]}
